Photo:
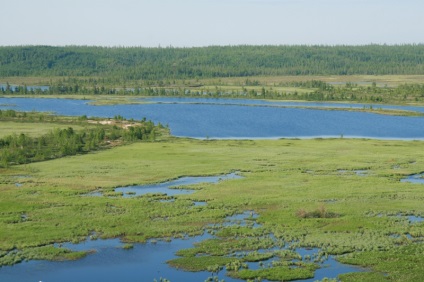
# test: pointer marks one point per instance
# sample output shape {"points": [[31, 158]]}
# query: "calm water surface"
{"points": [[415, 178], [167, 187], [236, 118]]}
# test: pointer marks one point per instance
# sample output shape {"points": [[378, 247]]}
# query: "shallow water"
{"points": [[248, 218], [415, 178], [361, 172], [166, 187], [415, 219], [412, 219], [144, 262]]}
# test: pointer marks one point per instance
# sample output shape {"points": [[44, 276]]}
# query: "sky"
{"points": [[192, 23]]}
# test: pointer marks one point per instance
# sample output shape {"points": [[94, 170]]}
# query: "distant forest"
{"points": [[137, 63]]}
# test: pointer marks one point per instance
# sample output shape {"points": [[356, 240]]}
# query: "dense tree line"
{"points": [[21, 148], [139, 63]]}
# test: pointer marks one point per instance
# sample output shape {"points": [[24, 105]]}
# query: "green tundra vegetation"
{"points": [[307, 193]]}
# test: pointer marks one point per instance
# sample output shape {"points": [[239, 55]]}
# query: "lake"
{"points": [[242, 119]]}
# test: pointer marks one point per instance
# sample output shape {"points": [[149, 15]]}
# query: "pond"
{"points": [[172, 188], [110, 262], [242, 119], [415, 178]]}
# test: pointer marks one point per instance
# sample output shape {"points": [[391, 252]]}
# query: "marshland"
{"points": [[309, 173]]}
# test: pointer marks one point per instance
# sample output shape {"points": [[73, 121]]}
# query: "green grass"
{"points": [[40, 253], [281, 178], [201, 263], [390, 80], [31, 129], [393, 261], [278, 273]]}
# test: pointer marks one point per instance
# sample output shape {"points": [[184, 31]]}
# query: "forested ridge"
{"points": [[205, 62]]}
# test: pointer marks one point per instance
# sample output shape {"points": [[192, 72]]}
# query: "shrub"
{"points": [[320, 212]]}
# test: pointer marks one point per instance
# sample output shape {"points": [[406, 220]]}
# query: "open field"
{"points": [[28, 128], [284, 181], [381, 80]]}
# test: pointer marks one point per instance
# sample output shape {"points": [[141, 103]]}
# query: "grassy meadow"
{"points": [[28, 128], [306, 192], [381, 80]]}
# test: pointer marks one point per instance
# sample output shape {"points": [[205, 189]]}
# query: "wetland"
{"points": [[321, 146], [306, 208]]}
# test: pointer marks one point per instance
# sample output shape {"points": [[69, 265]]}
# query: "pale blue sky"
{"points": [[189, 23]]}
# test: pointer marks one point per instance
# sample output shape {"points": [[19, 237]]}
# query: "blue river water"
{"points": [[238, 119]]}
